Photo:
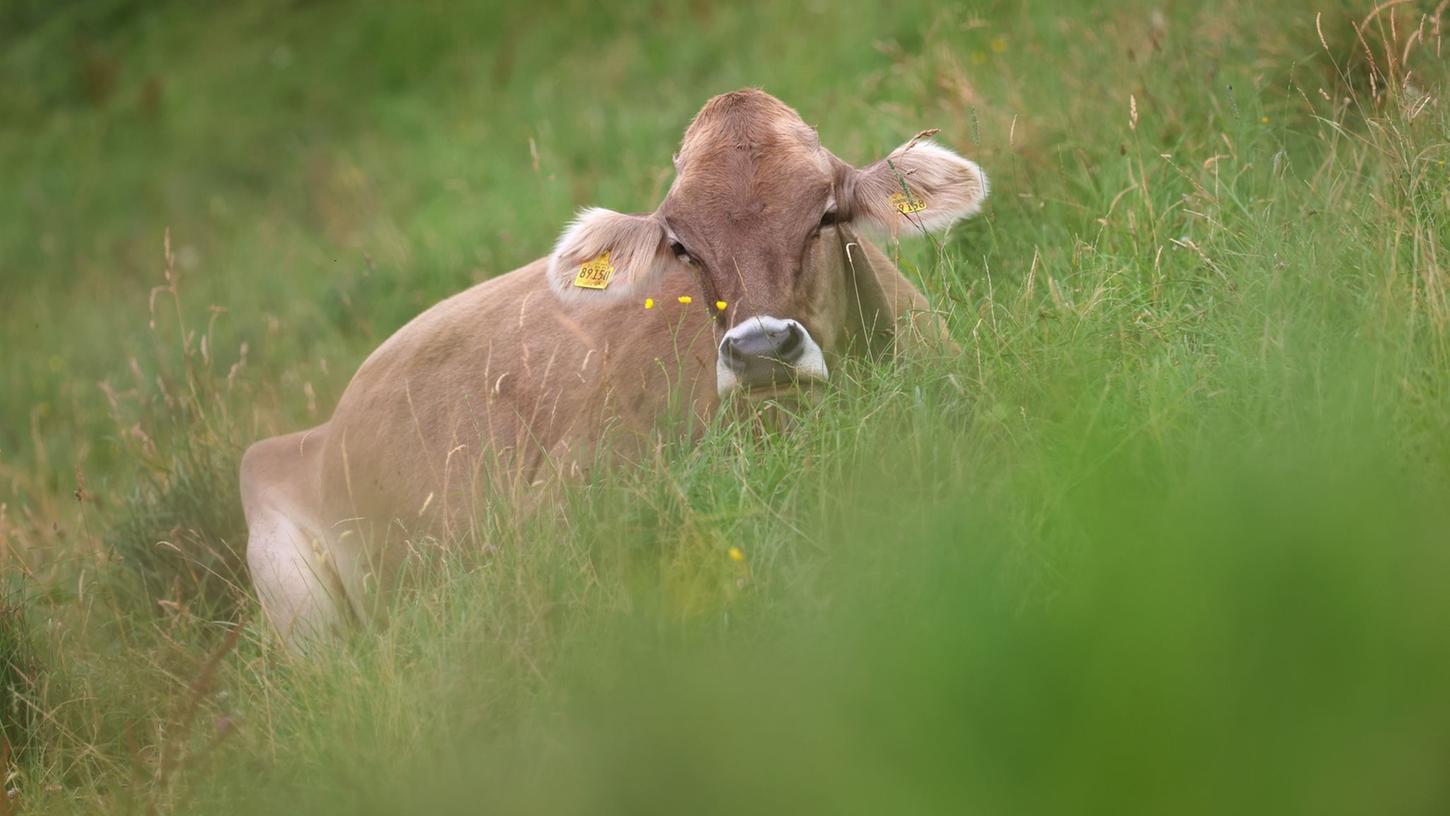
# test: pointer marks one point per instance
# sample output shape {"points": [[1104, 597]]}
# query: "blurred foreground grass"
{"points": [[1169, 538]]}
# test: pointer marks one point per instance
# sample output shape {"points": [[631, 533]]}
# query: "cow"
{"points": [[752, 279]]}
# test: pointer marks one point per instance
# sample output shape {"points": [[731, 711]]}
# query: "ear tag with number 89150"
{"points": [[595, 274]]}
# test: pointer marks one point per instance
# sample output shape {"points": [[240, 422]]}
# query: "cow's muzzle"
{"points": [[768, 353]]}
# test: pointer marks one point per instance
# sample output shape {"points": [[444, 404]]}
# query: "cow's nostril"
{"points": [[792, 345], [731, 354]]}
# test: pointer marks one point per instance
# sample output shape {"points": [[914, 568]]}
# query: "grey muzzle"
{"points": [[767, 351]]}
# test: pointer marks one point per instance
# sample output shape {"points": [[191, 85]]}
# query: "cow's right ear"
{"points": [[605, 255]]}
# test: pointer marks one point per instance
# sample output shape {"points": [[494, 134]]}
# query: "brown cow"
{"points": [[748, 279]]}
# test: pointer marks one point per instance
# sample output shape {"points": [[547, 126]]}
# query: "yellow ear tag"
{"points": [[595, 274], [906, 205]]}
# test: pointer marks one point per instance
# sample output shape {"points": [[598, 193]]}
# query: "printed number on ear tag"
{"points": [[595, 274], [906, 205]]}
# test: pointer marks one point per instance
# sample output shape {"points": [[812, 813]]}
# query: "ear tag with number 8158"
{"points": [[906, 205]]}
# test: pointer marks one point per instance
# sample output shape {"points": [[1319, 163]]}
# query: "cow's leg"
{"points": [[295, 580], [292, 559]]}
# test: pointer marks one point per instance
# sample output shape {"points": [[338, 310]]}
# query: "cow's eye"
{"points": [[681, 253], [830, 218]]}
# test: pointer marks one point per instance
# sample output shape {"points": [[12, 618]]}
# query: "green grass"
{"points": [[1169, 538]]}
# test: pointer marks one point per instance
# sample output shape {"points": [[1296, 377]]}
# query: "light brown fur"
{"points": [[507, 386]]}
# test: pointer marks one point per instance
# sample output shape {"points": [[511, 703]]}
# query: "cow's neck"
{"points": [[869, 324]]}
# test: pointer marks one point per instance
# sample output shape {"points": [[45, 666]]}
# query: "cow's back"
{"points": [[491, 391]]}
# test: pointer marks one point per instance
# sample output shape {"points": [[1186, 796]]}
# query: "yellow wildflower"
{"points": [[685, 299], [737, 555], [649, 303], [999, 44], [720, 304]]}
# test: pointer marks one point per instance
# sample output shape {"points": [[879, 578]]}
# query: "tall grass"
{"points": [[1167, 538], [19, 674]]}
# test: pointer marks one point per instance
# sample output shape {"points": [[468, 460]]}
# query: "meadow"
{"points": [[1171, 536]]}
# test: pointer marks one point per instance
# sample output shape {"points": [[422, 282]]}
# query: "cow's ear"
{"points": [[920, 187], [605, 255]]}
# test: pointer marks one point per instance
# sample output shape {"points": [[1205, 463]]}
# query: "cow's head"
{"points": [[763, 214]]}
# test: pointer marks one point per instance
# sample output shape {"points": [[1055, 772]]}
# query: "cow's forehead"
{"points": [[750, 183], [749, 156]]}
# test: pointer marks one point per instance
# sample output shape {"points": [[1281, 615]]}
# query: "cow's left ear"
{"points": [[606, 255], [920, 187]]}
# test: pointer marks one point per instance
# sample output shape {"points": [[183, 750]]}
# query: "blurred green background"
{"points": [[1171, 537]]}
